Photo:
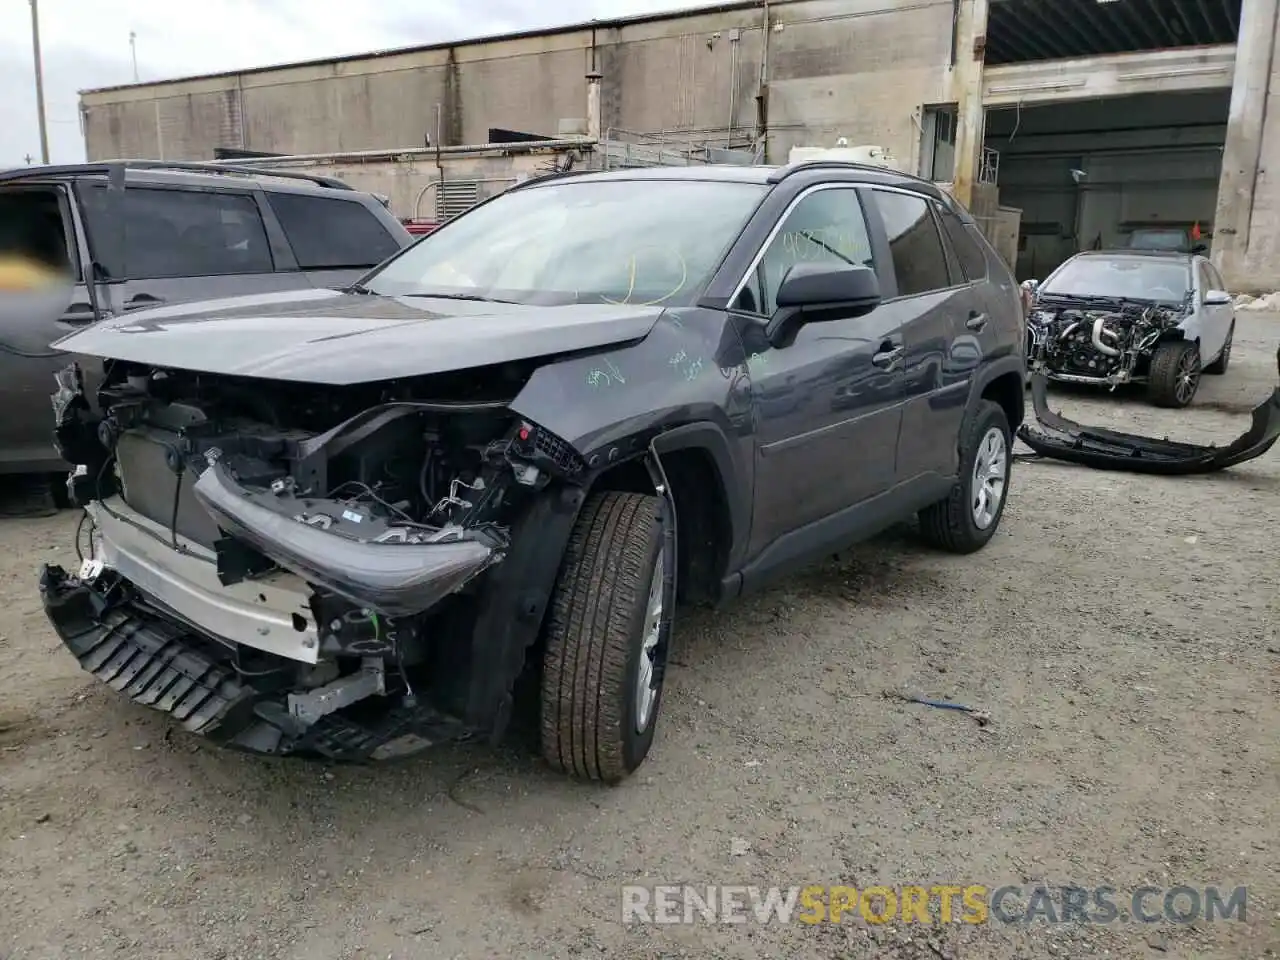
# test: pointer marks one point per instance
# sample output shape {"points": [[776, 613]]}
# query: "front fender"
{"points": [[684, 386], [608, 405]]}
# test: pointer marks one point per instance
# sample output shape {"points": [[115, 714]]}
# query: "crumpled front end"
{"points": [[1061, 439], [1106, 346], [294, 573]]}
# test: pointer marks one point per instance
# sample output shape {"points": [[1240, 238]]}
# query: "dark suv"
{"points": [[344, 524], [151, 232]]}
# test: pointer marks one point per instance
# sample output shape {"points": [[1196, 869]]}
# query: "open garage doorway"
{"points": [[1087, 174]]}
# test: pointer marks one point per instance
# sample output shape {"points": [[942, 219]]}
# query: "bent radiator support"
{"points": [[1063, 439]]}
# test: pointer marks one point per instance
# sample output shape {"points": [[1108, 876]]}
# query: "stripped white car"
{"points": [[1111, 318]]}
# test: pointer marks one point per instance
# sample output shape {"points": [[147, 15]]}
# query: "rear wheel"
{"points": [[607, 639], [1174, 376], [967, 517], [1219, 366]]}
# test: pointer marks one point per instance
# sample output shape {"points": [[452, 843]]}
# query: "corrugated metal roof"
{"points": [[1022, 30]]}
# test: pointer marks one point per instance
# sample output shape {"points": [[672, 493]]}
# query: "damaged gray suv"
{"points": [[345, 524]]}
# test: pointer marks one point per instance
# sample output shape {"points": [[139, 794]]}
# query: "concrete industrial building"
{"points": [[1091, 116]]}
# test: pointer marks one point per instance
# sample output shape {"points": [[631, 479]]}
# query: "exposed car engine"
{"points": [[1090, 345]]}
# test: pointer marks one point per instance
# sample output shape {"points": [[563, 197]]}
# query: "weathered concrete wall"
{"points": [[854, 68], [857, 70]]}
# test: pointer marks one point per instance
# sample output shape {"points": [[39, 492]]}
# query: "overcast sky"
{"points": [[85, 44]]}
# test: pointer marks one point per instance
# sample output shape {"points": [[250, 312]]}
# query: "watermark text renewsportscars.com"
{"points": [[933, 904]]}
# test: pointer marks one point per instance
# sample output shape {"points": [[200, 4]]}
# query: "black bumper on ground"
{"points": [[155, 662], [1063, 439]]}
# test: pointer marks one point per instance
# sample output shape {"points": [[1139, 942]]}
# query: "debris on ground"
{"points": [[1268, 301], [982, 716]]}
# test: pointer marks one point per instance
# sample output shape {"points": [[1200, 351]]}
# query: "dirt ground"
{"points": [[1122, 632]]}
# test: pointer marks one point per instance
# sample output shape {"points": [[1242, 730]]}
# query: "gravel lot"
{"points": [[1122, 632]]}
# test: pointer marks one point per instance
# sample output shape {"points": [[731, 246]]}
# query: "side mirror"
{"points": [[816, 292], [1217, 298], [1200, 248]]}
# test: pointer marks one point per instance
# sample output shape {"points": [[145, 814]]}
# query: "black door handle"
{"points": [[976, 321]]}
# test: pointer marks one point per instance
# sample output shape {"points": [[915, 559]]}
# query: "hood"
{"points": [[329, 337]]}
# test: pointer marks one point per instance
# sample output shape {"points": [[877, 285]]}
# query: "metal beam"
{"points": [[1184, 69]]}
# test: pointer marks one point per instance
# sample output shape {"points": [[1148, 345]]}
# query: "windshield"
{"points": [[1132, 278], [639, 242], [1158, 239]]}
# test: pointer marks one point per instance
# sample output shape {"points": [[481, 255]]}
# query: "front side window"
{"points": [[33, 229], [639, 242], [919, 261], [182, 233], [1127, 277], [827, 226]]}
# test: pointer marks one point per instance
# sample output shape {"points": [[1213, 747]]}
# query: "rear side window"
{"points": [[919, 261], [329, 233], [972, 260], [182, 233]]}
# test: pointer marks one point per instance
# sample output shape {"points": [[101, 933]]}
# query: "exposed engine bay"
{"points": [[1109, 344], [320, 546]]}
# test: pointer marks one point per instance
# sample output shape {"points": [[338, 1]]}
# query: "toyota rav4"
{"points": [[343, 523]]}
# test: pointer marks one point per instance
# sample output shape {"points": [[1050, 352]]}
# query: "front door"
{"points": [[37, 226], [827, 407], [1217, 317]]}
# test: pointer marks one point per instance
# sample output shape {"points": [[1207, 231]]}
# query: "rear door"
{"points": [[943, 320], [37, 222], [335, 240], [183, 243]]}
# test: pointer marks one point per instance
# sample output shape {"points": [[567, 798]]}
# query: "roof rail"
{"points": [[179, 166], [219, 166], [795, 167], [544, 177]]}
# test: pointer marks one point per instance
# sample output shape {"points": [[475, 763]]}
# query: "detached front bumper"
{"points": [[1063, 439]]}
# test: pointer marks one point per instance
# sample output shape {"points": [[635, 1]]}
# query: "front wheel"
{"points": [[1174, 376], [968, 516], [607, 635]]}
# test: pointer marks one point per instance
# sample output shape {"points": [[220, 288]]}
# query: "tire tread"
{"points": [[1162, 376], [604, 576]]}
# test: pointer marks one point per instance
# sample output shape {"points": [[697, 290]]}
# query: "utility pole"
{"points": [[133, 49], [35, 46]]}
